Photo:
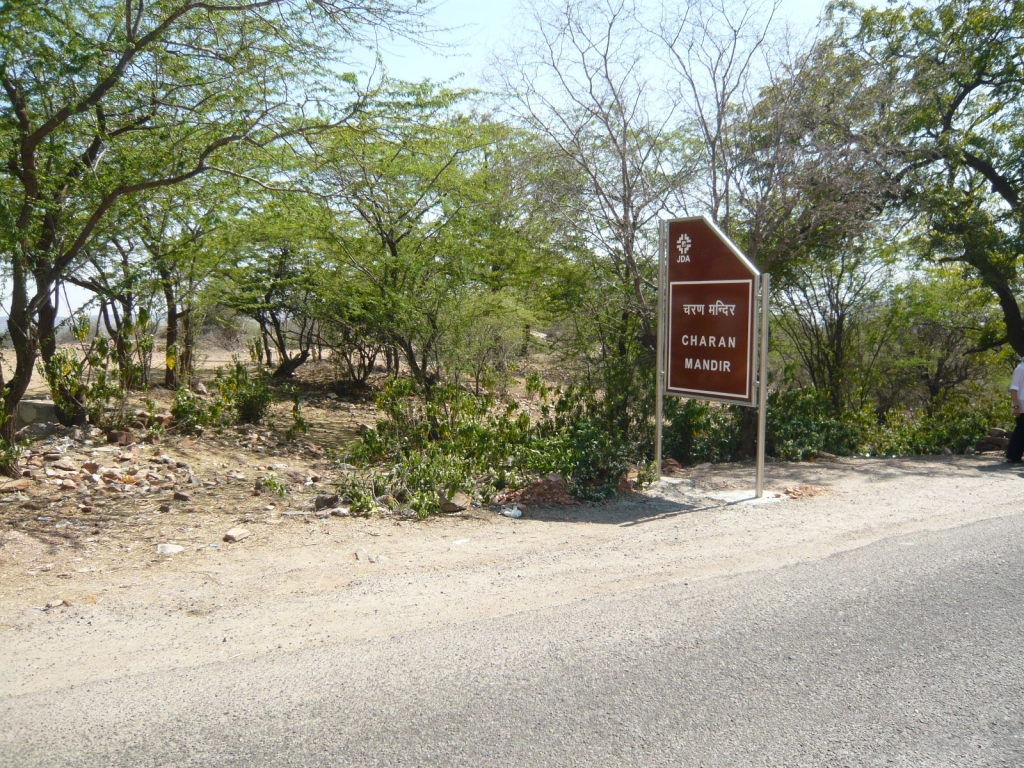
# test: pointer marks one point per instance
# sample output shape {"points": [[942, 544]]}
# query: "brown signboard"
{"points": [[710, 314]]}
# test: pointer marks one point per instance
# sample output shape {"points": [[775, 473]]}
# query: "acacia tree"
{"points": [[721, 51], [273, 273], [942, 339], [404, 183], [581, 82], [958, 69], [105, 100], [113, 269], [838, 317]]}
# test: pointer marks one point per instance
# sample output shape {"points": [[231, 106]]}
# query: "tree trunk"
{"points": [[186, 345], [171, 336], [25, 351], [289, 365], [747, 448]]}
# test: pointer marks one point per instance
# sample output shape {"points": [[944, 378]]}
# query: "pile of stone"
{"points": [[550, 491], [671, 467], [112, 470], [996, 440]]}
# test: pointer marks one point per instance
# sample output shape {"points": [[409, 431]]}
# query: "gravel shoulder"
{"points": [[298, 583]]}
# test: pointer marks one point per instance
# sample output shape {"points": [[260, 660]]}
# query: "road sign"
{"points": [[711, 317], [708, 299]]}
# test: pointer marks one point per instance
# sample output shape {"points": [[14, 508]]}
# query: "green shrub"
{"points": [[458, 441], [299, 425], [83, 381], [956, 421], [236, 399], [193, 415], [696, 431], [250, 398], [10, 452], [802, 423], [273, 484]]}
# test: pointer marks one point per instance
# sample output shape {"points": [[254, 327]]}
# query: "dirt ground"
{"points": [[117, 607]]}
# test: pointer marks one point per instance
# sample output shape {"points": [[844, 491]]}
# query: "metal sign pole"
{"points": [[659, 399], [762, 385]]}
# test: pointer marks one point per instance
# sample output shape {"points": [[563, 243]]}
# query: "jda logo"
{"points": [[684, 243]]}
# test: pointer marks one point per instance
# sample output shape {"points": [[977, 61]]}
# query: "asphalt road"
{"points": [[906, 652]]}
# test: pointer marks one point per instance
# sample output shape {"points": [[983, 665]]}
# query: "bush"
{"points": [[237, 399], [192, 414], [802, 423], [250, 398], [697, 431], [82, 382], [956, 421], [457, 441]]}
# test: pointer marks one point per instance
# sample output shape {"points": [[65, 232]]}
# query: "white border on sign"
{"points": [[754, 271], [730, 396]]}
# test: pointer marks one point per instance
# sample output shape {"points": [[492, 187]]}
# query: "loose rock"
{"points": [[458, 502], [235, 535], [181, 496], [120, 437], [326, 501], [671, 467], [169, 549], [15, 486]]}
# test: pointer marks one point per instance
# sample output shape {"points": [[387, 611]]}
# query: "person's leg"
{"points": [[1015, 450]]}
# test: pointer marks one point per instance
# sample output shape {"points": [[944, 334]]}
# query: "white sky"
{"points": [[483, 26]]}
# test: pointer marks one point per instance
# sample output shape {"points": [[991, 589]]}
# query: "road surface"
{"points": [[906, 651]]}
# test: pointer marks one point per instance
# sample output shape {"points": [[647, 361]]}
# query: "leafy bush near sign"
{"points": [[802, 424], [456, 441], [958, 421], [697, 431]]}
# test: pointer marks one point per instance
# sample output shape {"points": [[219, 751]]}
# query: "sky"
{"points": [[483, 26]]}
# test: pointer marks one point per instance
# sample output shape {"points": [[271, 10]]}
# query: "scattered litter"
{"points": [[512, 511], [169, 549]]}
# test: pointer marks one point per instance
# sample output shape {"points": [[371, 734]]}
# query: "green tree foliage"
{"points": [[272, 272], [957, 68], [106, 100], [416, 218]]}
